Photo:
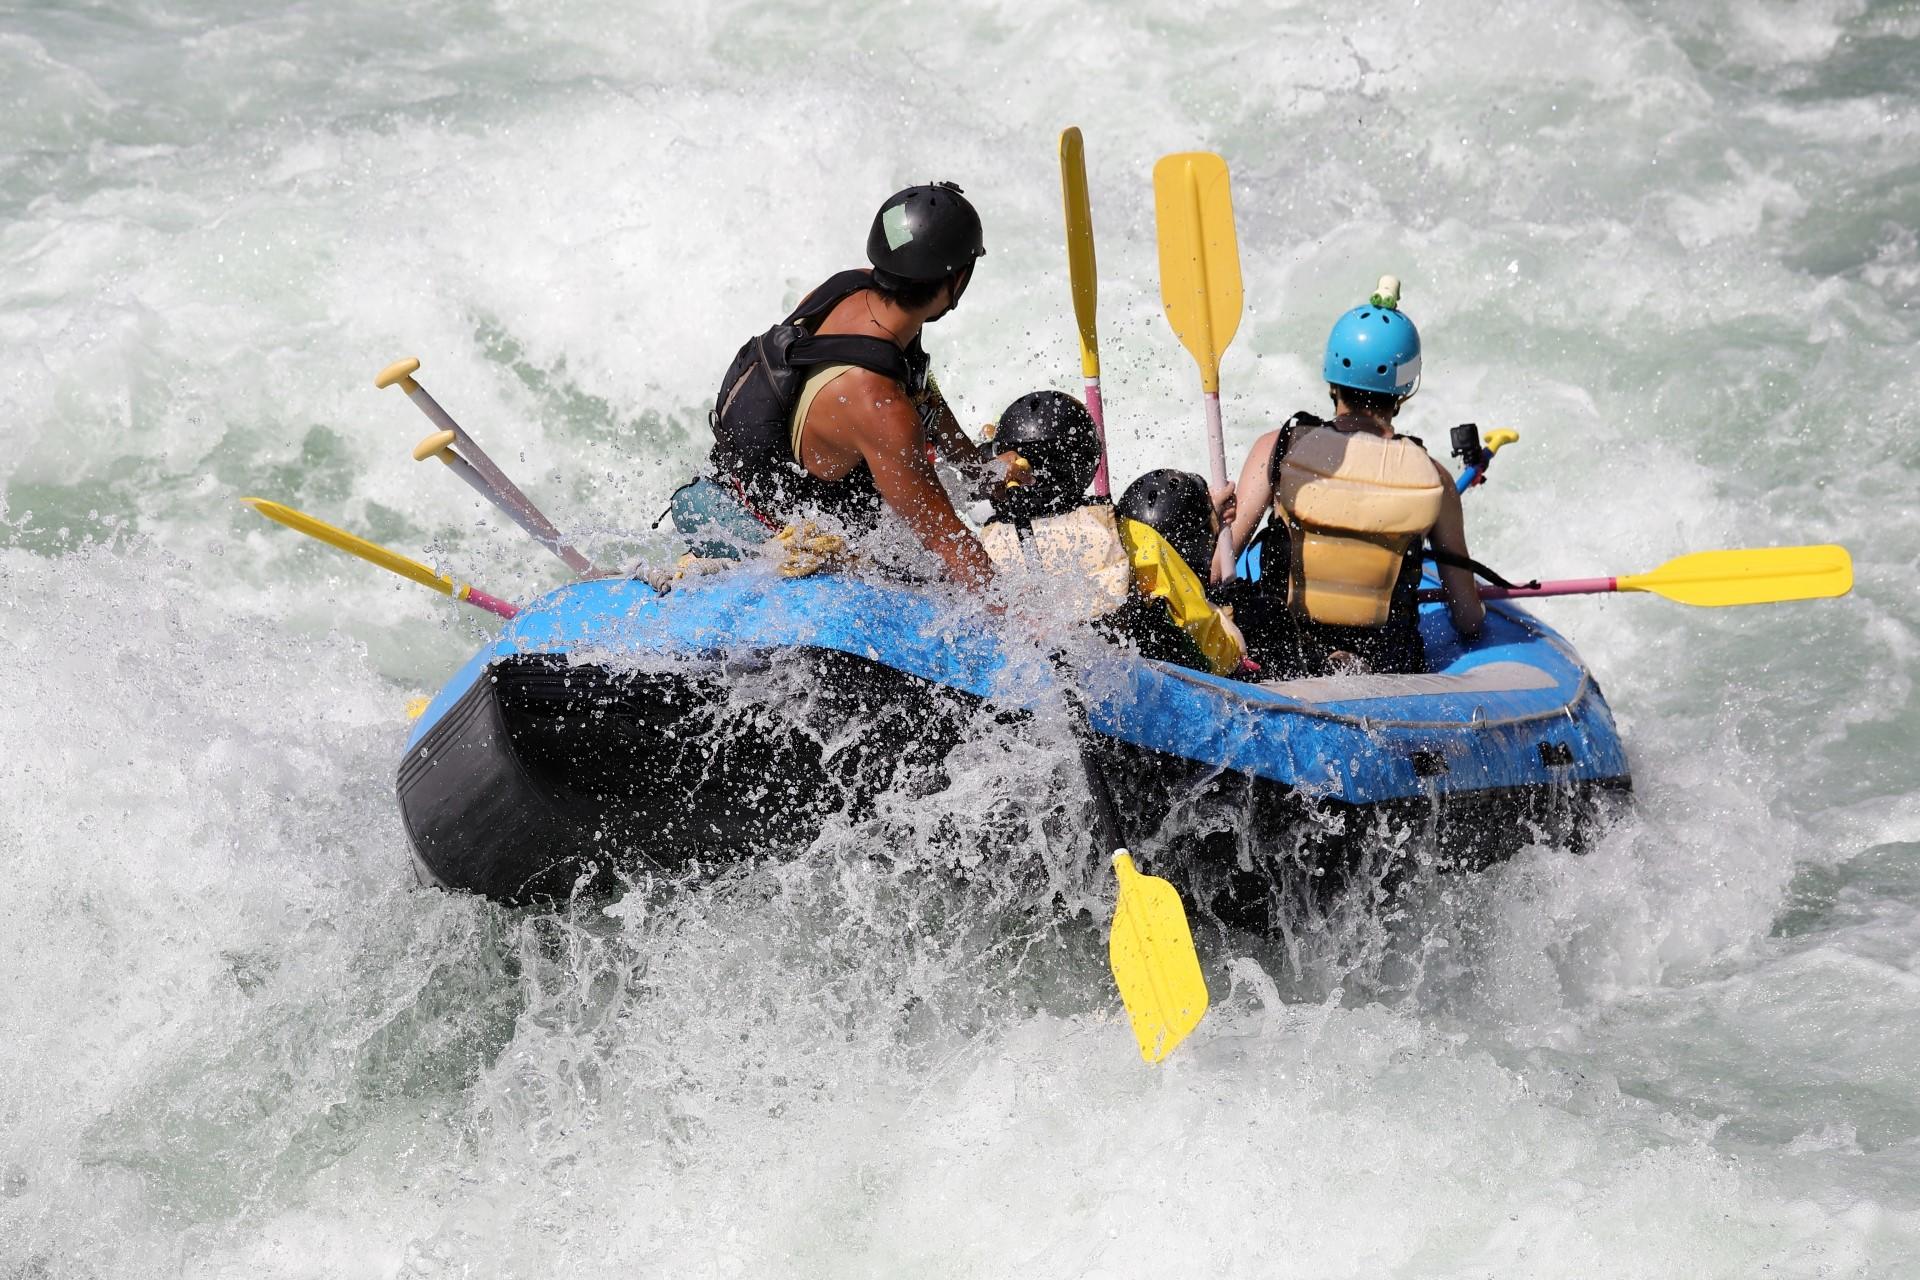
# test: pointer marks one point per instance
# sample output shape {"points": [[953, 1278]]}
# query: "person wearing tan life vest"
{"points": [[1350, 505], [1048, 539]]}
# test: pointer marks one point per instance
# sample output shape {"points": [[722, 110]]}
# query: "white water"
{"points": [[1675, 246]]}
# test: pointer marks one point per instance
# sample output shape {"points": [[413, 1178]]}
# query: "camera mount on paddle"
{"points": [[1475, 456]]}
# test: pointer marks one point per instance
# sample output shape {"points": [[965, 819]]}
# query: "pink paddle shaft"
{"points": [[1102, 488], [492, 604], [1223, 570], [1564, 587]]}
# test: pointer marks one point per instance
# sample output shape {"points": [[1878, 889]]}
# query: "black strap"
{"points": [[1453, 561], [828, 293], [662, 517], [875, 354], [1284, 441]]}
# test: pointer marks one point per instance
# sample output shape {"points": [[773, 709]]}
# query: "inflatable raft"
{"points": [[612, 728]]}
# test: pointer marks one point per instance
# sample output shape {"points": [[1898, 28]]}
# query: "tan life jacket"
{"points": [[1086, 568], [1355, 503]]}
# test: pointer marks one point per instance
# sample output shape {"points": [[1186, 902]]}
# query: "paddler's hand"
{"points": [[1003, 473], [1232, 628], [1226, 502]]}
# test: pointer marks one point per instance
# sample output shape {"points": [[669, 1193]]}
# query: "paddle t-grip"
{"points": [[400, 372]]}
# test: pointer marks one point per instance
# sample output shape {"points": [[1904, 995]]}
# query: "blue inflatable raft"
{"points": [[612, 728]]}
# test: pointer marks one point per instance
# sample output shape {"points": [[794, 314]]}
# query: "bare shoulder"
{"points": [[865, 387], [1261, 451]]}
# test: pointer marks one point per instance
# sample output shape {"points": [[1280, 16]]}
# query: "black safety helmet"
{"points": [[1178, 506], [924, 234], [1055, 434]]}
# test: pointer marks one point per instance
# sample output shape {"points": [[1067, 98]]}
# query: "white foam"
{"points": [[1671, 248]]}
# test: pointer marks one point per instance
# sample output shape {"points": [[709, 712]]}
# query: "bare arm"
{"points": [[954, 443], [873, 418], [1253, 495], [1450, 535]]}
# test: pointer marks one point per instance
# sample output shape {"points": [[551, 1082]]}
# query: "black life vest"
{"points": [[752, 417]]}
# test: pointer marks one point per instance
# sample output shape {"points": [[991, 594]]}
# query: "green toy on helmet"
{"points": [[1375, 348]]}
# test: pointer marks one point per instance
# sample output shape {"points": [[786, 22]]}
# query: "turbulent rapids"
{"points": [[1674, 246]]}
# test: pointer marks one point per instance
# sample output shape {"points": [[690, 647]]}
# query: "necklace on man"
{"points": [[868, 299]]}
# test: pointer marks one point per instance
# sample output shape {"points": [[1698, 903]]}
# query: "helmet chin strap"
{"points": [[957, 286]]}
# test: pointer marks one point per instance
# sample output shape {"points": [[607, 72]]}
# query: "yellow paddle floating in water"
{"points": [[1154, 964]]}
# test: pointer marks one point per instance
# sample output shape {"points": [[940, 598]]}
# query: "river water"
{"points": [[1673, 244]]}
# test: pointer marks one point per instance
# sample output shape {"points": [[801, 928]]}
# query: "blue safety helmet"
{"points": [[1374, 348]]}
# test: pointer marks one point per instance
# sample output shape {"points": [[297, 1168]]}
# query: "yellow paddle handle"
{"points": [[1080, 260], [1497, 440], [401, 372]]}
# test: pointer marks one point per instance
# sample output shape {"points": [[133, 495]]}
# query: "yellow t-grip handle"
{"points": [[435, 446], [1497, 439], [400, 371]]}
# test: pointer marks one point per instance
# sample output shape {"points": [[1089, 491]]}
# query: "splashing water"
{"points": [[1674, 246]]}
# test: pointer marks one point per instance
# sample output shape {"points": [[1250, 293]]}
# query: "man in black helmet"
{"points": [[832, 411]]}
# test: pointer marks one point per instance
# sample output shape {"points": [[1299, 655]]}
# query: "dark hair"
{"points": [[908, 294], [1377, 404]]}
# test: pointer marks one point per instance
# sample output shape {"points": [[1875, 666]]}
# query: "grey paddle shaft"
{"points": [[1106, 819], [478, 470], [474, 466], [526, 517]]}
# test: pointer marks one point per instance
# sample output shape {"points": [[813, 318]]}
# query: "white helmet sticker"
{"points": [[1408, 373], [894, 222]]}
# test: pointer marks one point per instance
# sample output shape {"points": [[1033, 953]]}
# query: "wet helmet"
{"points": [[1374, 347], [1055, 434], [1177, 505], [925, 234]]}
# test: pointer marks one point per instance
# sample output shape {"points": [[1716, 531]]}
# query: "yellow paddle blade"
{"points": [[1080, 266], [1199, 256], [352, 545], [1764, 576], [1154, 963]]}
